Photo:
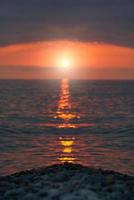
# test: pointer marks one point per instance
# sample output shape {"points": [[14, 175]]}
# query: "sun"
{"points": [[65, 63]]}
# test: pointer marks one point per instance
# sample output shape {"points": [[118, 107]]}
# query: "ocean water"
{"points": [[56, 121]]}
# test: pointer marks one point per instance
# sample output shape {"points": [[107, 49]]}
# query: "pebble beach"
{"points": [[67, 182]]}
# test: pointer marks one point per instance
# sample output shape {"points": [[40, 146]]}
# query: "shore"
{"points": [[67, 182]]}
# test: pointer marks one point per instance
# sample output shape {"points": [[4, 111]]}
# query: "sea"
{"points": [[46, 122]]}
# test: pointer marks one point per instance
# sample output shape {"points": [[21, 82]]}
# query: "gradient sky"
{"points": [[96, 35]]}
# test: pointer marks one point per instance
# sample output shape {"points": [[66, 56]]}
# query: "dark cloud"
{"points": [[109, 21]]}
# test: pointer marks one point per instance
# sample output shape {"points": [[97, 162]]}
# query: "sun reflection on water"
{"points": [[66, 115], [67, 150], [64, 108]]}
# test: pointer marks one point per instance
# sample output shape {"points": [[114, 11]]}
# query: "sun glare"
{"points": [[65, 63]]}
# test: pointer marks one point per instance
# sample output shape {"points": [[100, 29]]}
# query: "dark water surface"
{"points": [[47, 122]]}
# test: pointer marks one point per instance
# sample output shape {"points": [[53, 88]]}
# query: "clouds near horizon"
{"points": [[103, 21]]}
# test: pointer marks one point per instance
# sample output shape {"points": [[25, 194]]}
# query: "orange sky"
{"points": [[88, 60]]}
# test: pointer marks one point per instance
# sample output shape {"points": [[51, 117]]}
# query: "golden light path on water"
{"points": [[66, 119], [67, 150], [64, 108], [64, 113]]}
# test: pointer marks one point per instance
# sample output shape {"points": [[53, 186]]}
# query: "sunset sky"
{"points": [[96, 38]]}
